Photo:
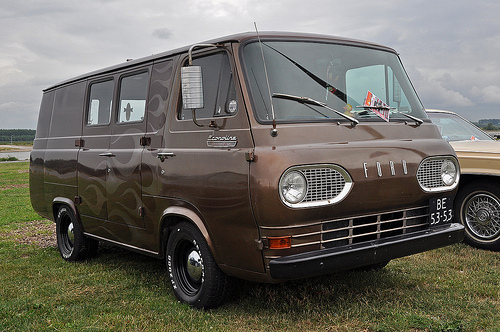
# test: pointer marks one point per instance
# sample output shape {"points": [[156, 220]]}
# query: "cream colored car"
{"points": [[477, 204]]}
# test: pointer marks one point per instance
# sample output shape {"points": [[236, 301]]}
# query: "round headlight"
{"points": [[448, 172], [293, 187]]}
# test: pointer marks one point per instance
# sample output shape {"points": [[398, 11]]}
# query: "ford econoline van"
{"points": [[265, 158]]}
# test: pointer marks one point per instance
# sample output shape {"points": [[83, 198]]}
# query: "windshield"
{"points": [[344, 78], [453, 128]]}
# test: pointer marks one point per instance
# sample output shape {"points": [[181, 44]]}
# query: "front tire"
{"points": [[477, 207], [195, 277], [72, 244]]}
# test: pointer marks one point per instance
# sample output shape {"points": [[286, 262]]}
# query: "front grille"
{"points": [[335, 233], [429, 173], [323, 184], [326, 184]]}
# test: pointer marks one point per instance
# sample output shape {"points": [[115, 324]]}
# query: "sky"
{"points": [[450, 48]]}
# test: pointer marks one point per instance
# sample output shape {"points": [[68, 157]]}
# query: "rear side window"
{"points": [[100, 103], [132, 103]]}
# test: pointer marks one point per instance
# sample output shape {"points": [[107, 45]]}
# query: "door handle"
{"points": [[106, 154], [164, 155]]}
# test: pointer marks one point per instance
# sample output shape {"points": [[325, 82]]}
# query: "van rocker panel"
{"points": [[326, 261]]}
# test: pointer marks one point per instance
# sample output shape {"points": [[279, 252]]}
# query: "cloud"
{"points": [[450, 48], [163, 33], [487, 95]]}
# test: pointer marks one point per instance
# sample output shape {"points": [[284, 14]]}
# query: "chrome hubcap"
{"points": [[71, 233], [194, 266]]}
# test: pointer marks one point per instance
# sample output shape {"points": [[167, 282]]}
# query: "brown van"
{"points": [[266, 159]]}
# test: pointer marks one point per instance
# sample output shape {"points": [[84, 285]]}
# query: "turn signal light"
{"points": [[282, 242]]}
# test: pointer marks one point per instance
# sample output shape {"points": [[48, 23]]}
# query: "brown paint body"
{"points": [[123, 193]]}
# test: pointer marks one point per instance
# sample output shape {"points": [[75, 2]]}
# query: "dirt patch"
{"points": [[14, 186], [37, 232], [15, 148]]}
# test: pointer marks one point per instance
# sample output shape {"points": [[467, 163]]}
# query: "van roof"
{"points": [[241, 37]]}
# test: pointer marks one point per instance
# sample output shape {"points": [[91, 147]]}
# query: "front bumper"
{"points": [[332, 260]]}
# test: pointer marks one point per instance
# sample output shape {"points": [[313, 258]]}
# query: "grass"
{"points": [[450, 289]]}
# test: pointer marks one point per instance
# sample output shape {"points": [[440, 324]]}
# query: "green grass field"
{"points": [[451, 289]]}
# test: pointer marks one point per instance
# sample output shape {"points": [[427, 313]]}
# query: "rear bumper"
{"points": [[332, 260]]}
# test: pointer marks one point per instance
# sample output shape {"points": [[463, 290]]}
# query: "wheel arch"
{"points": [[177, 214], [466, 178], [470, 185], [57, 202]]}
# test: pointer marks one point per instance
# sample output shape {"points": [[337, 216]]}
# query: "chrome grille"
{"points": [[335, 233], [323, 184], [326, 184], [429, 173]]}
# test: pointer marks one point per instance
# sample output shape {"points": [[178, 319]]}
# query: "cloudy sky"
{"points": [[450, 48]]}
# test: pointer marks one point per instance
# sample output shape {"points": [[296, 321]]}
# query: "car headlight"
{"points": [[316, 185], [436, 174], [448, 172], [293, 187]]}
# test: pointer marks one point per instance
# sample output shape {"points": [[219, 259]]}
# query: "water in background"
{"points": [[20, 155]]}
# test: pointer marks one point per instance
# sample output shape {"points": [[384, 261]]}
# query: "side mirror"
{"points": [[192, 87]]}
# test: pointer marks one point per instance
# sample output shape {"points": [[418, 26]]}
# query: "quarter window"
{"points": [[100, 103], [132, 103]]}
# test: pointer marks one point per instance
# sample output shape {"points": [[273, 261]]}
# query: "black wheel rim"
{"points": [[188, 268], [67, 236]]}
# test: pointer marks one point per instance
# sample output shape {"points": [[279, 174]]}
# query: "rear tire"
{"points": [[195, 277], [72, 244], [477, 207]]}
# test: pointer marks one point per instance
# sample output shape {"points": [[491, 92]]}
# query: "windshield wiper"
{"points": [[341, 95], [310, 101], [418, 121]]}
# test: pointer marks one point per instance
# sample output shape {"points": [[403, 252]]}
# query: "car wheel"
{"points": [[72, 244], [195, 277], [477, 207]]}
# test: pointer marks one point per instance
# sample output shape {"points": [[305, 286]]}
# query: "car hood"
{"points": [[478, 157], [476, 146]]}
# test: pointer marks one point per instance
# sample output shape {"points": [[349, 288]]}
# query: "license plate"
{"points": [[440, 210]]}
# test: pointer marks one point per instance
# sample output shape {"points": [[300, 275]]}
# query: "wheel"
{"points": [[72, 244], [477, 207], [195, 277]]}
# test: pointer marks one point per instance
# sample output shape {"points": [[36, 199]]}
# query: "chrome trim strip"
{"points": [[121, 244]]}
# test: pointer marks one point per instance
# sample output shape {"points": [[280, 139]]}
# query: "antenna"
{"points": [[274, 131]]}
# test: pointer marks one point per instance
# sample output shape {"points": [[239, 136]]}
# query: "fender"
{"points": [[195, 218], [57, 201]]}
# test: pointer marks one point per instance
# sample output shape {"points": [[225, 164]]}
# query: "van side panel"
{"points": [[61, 153], [159, 97], [37, 156]]}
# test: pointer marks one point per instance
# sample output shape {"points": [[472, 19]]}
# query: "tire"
{"points": [[477, 207], [72, 244], [194, 275]]}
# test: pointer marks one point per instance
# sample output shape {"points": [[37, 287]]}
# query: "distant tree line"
{"points": [[489, 124], [17, 135]]}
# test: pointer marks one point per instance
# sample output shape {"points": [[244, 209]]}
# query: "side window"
{"points": [[132, 102], [219, 92], [100, 103]]}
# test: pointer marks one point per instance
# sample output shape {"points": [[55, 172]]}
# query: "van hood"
{"points": [[381, 159]]}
